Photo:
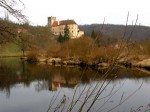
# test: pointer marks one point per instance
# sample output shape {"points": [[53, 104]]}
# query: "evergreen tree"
{"points": [[93, 35], [65, 37], [66, 33], [60, 38]]}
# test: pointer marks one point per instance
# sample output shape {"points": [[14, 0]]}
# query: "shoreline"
{"points": [[141, 64]]}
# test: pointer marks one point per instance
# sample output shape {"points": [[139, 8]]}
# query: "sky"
{"points": [[88, 11]]}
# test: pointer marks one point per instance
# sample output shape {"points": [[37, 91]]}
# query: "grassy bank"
{"points": [[85, 50], [9, 49]]}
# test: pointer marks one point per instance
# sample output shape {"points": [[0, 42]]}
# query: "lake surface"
{"points": [[32, 88]]}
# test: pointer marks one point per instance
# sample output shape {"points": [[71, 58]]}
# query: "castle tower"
{"points": [[51, 20]]}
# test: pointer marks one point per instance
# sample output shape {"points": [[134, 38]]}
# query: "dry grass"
{"points": [[146, 47], [140, 48], [73, 48], [54, 50], [83, 48], [135, 51], [78, 47]]}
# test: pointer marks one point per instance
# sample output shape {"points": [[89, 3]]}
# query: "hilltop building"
{"points": [[57, 27]]}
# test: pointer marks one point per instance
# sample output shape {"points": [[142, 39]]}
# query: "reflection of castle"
{"points": [[54, 85]]}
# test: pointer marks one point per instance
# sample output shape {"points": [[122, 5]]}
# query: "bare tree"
{"points": [[7, 28], [10, 6]]}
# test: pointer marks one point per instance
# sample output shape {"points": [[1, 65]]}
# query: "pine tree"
{"points": [[66, 33], [60, 38], [93, 35], [65, 37]]}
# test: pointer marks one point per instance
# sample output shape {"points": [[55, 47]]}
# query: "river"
{"points": [[28, 87]]}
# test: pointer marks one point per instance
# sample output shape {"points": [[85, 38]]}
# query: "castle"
{"points": [[57, 27]]}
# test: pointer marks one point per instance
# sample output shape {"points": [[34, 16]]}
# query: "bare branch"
{"points": [[9, 5]]}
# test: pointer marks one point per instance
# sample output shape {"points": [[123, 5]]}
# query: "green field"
{"points": [[10, 49]]}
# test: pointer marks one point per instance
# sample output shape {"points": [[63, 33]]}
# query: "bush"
{"points": [[80, 47], [54, 50], [103, 54], [83, 48], [73, 48], [146, 47], [32, 57], [139, 48]]}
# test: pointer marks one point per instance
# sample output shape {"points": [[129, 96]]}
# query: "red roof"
{"points": [[63, 22], [55, 23]]}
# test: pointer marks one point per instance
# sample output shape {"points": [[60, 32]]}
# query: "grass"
{"points": [[82, 48], [10, 49]]}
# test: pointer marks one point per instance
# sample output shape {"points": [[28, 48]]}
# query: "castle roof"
{"points": [[63, 22]]}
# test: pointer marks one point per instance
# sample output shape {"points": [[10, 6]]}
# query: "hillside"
{"points": [[140, 32]]}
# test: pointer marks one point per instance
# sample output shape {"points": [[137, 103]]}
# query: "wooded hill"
{"points": [[117, 31]]}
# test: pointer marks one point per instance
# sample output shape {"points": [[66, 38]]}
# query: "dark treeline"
{"points": [[140, 32]]}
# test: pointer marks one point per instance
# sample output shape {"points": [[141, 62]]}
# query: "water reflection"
{"points": [[15, 71], [16, 75]]}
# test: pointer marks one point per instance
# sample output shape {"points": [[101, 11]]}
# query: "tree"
{"points": [[93, 35], [66, 33], [65, 37], [23, 42], [10, 6], [60, 38], [98, 37], [7, 29], [41, 37]]}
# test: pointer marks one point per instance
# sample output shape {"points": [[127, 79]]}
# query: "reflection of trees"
{"points": [[41, 85], [6, 80], [49, 77], [45, 75]]}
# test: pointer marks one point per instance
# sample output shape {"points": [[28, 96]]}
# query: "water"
{"points": [[31, 88]]}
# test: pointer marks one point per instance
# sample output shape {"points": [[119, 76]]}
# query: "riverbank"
{"points": [[142, 62], [3, 56], [139, 62]]}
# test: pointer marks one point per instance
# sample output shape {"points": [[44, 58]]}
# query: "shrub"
{"points": [[103, 54], [146, 47], [83, 48], [80, 47], [73, 48], [32, 56], [54, 50]]}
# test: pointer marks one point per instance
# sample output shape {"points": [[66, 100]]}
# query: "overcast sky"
{"points": [[88, 11]]}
